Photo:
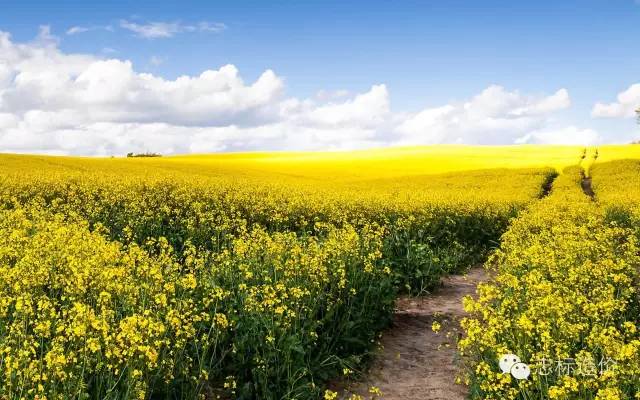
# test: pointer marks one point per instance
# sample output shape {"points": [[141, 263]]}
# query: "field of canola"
{"points": [[565, 298], [263, 276]]}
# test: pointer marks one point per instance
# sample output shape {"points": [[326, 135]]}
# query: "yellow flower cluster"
{"points": [[83, 316], [433, 224], [125, 279], [616, 185], [564, 299]]}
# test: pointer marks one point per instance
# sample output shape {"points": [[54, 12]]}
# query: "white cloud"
{"points": [[495, 116], [369, 109], [74, 30], [628, 102], [45, 37], [325, 95], [569, 135], [205, 27], [155, 30], [8, 121], [78, 29], [151, 30], [558, 101], [58, 103], [110, 90]]}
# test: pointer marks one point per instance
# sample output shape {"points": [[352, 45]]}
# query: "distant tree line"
{"points": [[147, 154]]}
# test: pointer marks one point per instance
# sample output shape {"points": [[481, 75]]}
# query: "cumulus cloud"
{"points": [[628, 102], [369, 109], [155, 30], [494, 116], [59, 103], [570, 135], [110, 90], [325, 95]]}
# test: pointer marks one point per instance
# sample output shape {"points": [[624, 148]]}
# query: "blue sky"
{"points": [[427, 53]]}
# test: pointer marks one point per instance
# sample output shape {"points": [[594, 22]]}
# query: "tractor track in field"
{"points": [[587, 188], [586, 183], [416, 363]]}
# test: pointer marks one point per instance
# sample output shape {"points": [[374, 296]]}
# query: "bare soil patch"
{"points": [[416, 363]]}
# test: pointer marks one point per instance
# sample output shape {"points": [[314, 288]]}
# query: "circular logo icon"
{"points": [[507, 361], [520, 371]]}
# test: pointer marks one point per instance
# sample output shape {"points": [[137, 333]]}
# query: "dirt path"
{"points": [[586, 187], [415, 362]]}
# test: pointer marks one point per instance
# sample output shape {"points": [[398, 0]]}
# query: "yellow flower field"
{"points": [[565, 294], [263, 276]]}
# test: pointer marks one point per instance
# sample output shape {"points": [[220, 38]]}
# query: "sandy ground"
{"points": [[414, 362]]}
